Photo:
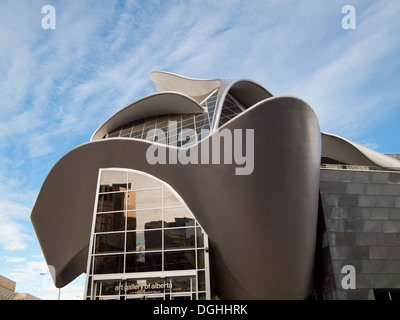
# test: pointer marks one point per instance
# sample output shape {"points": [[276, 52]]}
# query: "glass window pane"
{"points": [[181, 284], [147, 199], [144, 241], [112, 181], [108, 264], [179, 260], [114, 134], [126, 131], [137, 132], [107, 222], [170, 200], [108, 288], [131, 200], [144, 219], [200, 237], [143, 262], [200, 259], [109, 242], [181, 238], [111, 202], [139, 181], [178, 217], [201, 276]]}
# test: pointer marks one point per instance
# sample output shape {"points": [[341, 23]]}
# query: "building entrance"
{"points": [[145, 242], [172, 287]]}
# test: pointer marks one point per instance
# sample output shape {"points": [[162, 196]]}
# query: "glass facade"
{"points": [[178, 130], [145, 242], [230, 109]]}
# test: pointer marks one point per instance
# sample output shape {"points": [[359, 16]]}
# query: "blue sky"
{"points": [[57, 86]]}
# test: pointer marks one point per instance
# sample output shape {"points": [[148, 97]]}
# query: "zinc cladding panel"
{"points": [[361, 210]]}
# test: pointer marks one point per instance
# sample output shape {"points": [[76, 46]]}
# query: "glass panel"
{"points": [[111, 202], [144, 240], [108, 288], [178, 217], [170, 200], [200, 259], [180, 284], [108, 264], [201, 277], [202, 296], [179, 238], [126, 130], [200, 237], [109, 242], [131, 200], [162, 123], [149, 199], [112, 181], [179, 260], [107, 222], [137, 132], [138, 181], [114, 134], [149, 125], [144, 219], [143, 262]]}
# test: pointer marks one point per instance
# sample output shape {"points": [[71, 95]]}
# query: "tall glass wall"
{"points": [[145, 242]]}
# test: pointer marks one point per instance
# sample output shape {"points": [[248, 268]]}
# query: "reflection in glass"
{"points": [[140, 217], [111, 202], [144, 240], [147, 199], [108, 288], [112, 178], [178, 217], [200, 259], [143, 262], [107, 222], [181, 238], [181, 284], [179, 260], [170, 200], [131, 205], [200, 237], [139, 181], [109, 242], [201, 276], [144, 219], [109, 264]]}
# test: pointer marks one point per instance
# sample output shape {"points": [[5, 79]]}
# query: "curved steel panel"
{"points": [[261, 227], [247, 92], [152, 105], [198, 89], [351, 153]]}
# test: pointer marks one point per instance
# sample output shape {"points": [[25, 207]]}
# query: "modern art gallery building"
{"points": [[216, 189]]}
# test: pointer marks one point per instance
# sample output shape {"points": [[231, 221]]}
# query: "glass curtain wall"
{"points": [[230, 109], [145, 242], [172, 126]]}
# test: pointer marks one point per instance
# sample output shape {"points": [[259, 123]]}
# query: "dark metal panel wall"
{"points": [[362, 217]]}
